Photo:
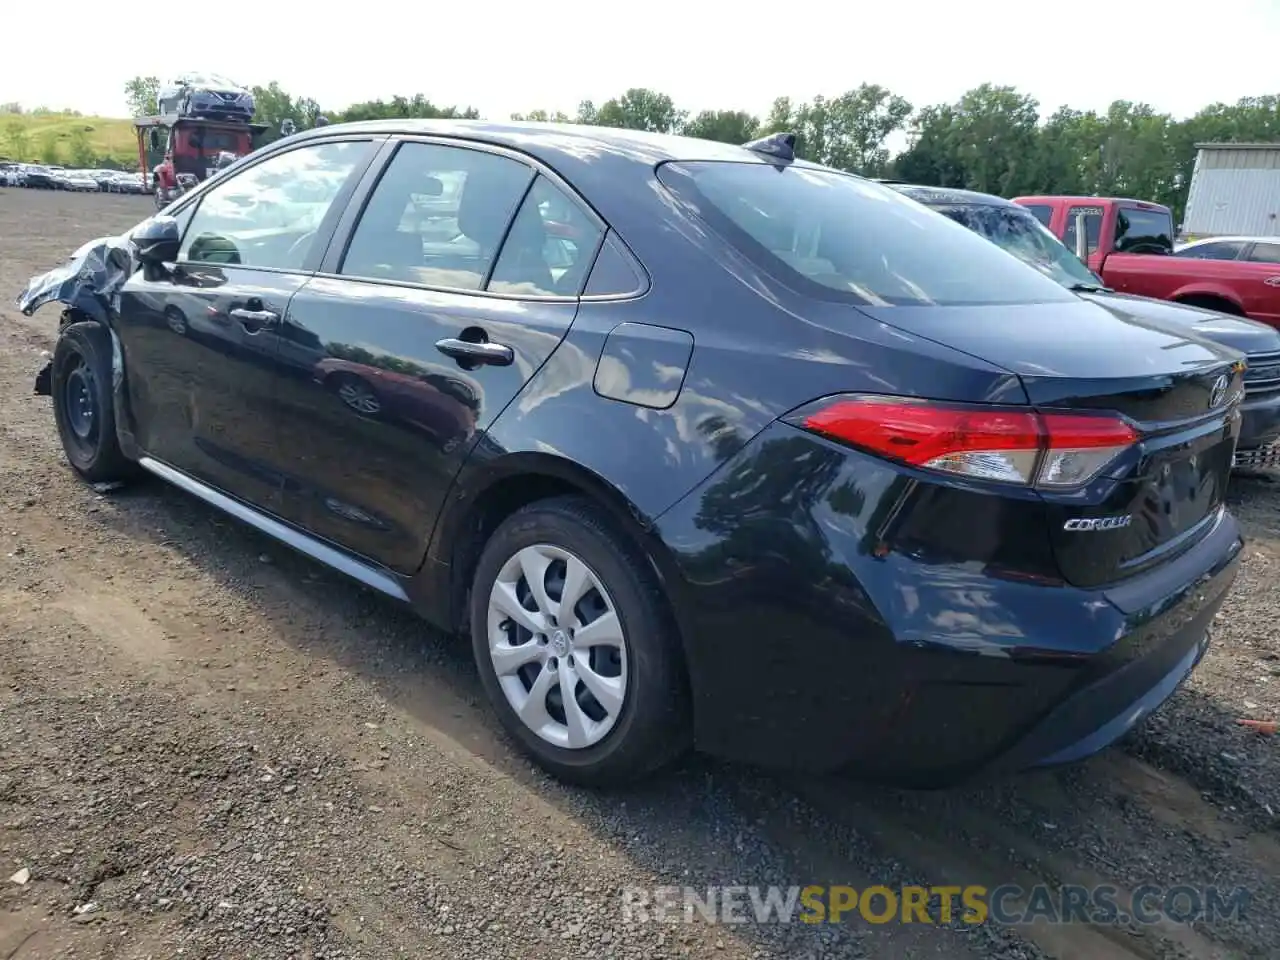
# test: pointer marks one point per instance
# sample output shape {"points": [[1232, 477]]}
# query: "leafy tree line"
{"points": [[993, 138]]}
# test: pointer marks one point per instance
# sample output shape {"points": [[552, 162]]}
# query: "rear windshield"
{"points": [[843, 238]]}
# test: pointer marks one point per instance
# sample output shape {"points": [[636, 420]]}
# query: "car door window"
{"points": [[437, 217], [1220, 250], [549, 248], [1092, 226], [267, 215], [1265, 253]]}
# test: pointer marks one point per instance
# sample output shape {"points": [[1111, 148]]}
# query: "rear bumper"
{"points": [[809, 650]]}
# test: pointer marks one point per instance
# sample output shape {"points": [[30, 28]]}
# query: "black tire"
{"points": [[82, 404], [653, 727]]}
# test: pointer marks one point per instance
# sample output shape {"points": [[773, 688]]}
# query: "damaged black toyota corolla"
{"points": [[701, 444]]}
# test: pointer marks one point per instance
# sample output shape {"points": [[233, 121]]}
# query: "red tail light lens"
{"points": [[1004, 444]]}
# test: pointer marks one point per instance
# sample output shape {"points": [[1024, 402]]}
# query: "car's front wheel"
{"points": [[576, 646], [82, 404]]}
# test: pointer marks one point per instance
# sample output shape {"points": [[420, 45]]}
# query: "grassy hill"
{"points": [[66, 139]]}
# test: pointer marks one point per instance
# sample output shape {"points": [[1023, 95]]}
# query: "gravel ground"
{"points": [[210, 747]]}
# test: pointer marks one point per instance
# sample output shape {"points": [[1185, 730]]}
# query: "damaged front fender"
{"points": [[89, 281], [88, 285]]}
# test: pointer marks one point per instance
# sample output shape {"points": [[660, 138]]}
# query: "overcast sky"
{"points": [[510, 55]]}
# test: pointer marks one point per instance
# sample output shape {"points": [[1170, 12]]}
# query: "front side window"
{"points": [[549, 249], [1265, 253], [1092, 226], [840, 237], [267, 215], [1016, 231], [437, 217], [1143, 231]]}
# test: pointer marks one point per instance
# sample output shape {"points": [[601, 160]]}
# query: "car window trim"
{"points": [[331, 217], [1253, 245], [341, 239]]}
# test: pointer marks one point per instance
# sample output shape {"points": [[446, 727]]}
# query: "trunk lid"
{"points": [[1178, 390]]}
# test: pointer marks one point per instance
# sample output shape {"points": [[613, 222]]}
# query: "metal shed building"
{"points": [[1235, 190]]}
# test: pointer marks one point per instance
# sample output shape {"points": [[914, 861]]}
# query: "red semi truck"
{"points": [[1129, 244]]}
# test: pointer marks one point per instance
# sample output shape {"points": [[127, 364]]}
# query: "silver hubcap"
{"points": [[557, 647]]}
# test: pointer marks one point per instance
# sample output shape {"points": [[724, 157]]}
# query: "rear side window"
{"points": [[1265, 253], [549, 248], [839, 237], [437, 217], [1143, 231], [1221, 250], [1041, 211]]}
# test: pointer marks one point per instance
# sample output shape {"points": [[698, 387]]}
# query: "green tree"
{"points": [[985, 141], [19, 143], [140, 93], [727, 126], [79, 149], [641, 109], [49, 148], [543, 116]]}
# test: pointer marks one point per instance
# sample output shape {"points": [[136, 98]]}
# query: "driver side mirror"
{"points": [[156, 240]]}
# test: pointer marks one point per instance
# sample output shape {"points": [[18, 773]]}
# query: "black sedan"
{"points": [[701, 444], [1015, 229]]}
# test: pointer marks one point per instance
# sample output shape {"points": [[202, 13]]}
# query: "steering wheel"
{"points": [[298, 249]]}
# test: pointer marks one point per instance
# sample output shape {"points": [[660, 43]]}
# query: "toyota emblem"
{"points": [[1219, 391]]}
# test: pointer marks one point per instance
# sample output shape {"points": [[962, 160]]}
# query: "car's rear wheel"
{"points": [[576, 647], [82, 404], [356, 394]]}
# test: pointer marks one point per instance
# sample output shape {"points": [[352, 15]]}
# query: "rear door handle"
{"points": [[494, 354], [254, 319]]}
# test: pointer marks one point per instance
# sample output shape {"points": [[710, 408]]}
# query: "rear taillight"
{"points": [[1003, 444]]}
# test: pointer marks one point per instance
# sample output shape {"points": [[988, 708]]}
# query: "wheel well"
{"points": [[1210, 301], [500, 501]]}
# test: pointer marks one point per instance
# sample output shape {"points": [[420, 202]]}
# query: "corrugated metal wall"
{"points": [[1234, 191]]}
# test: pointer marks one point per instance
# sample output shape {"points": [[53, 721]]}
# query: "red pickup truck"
{"points": [[1130, 246]]}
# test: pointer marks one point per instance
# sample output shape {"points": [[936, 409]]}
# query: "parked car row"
{"points": [[46, 177]]}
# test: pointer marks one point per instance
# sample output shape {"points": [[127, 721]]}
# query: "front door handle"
{"points": [[469, 351], [254, 319]]}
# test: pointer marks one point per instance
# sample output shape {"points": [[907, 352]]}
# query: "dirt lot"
{"points": [[232, 752]]}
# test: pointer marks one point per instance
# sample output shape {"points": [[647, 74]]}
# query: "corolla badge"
{"points": [[1272, 281], [1219, 390], [1093, 524]]}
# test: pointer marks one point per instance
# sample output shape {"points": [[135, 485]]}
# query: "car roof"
{"points": [[949, 195], [550, 142], [1230, 239], [1049, 198]]}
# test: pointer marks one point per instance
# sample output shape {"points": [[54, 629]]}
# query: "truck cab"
{"points": [[1128, 243], [193, 150]]}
